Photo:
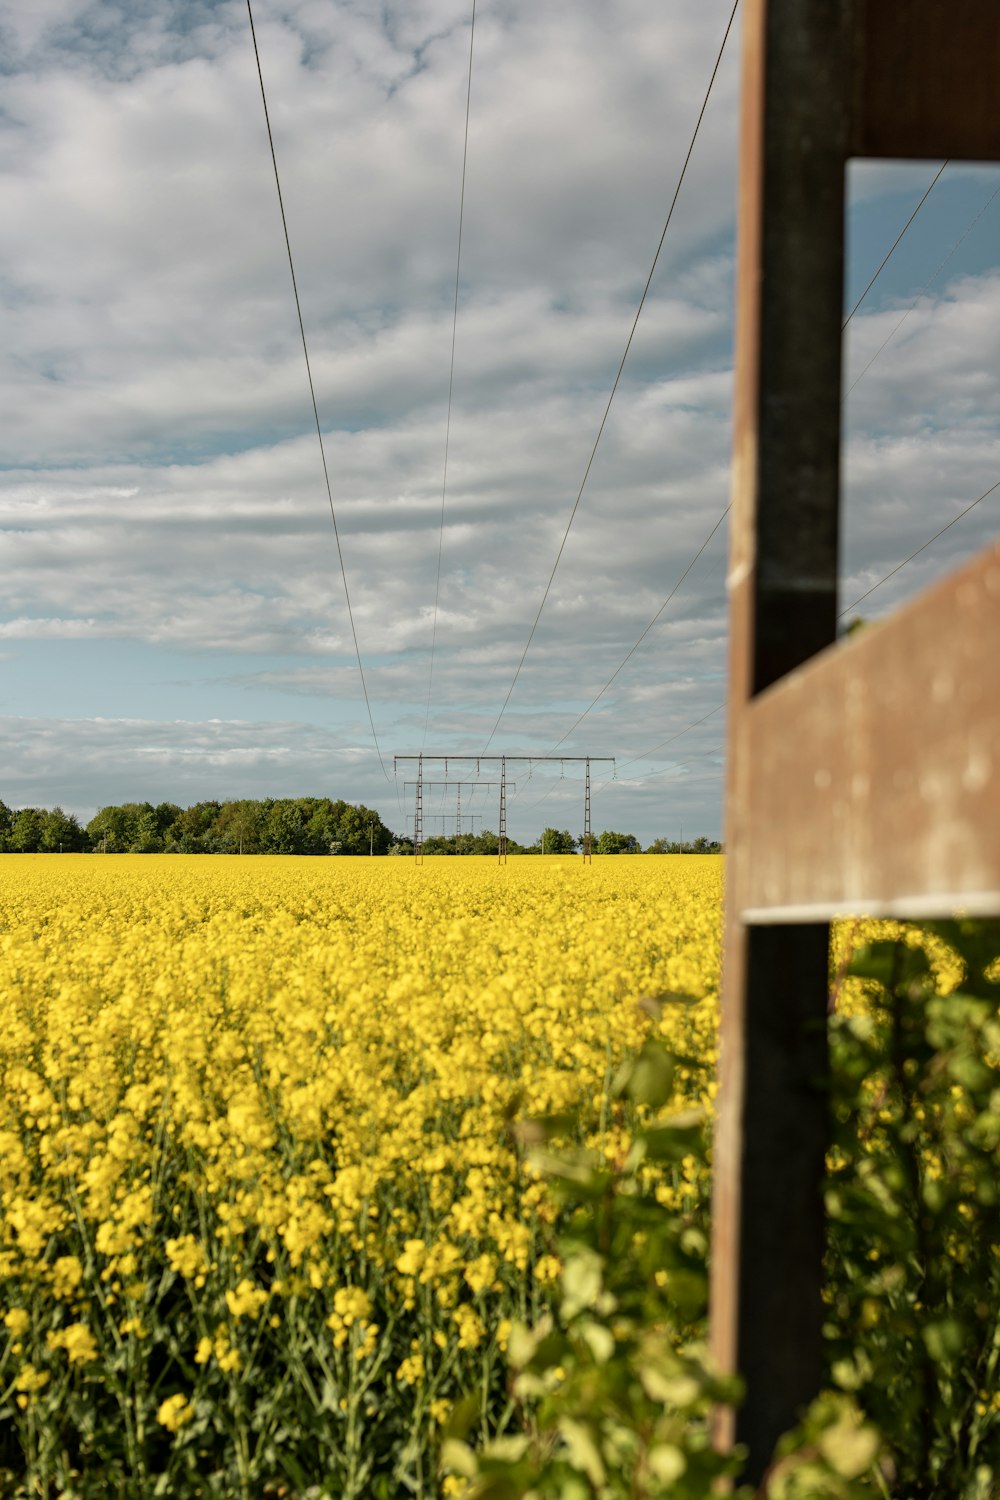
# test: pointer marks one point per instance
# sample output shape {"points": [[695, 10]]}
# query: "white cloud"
{"points": [[162, 487]]}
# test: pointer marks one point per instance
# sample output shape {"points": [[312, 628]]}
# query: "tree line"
{"points": [[561, 841], [282, 825]]}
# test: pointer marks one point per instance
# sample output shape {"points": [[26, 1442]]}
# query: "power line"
{"points": [[629, 654], [884, 262], [647, 754], [925, 288], [891, 574], [894, 246], [618, 376], [451, 371], [312, 389]]}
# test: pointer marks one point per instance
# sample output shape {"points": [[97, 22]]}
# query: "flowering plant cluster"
{"points": [[264, 1219]]}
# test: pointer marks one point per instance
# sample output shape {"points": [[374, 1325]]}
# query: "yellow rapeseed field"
{"points": [[263, 1214]]}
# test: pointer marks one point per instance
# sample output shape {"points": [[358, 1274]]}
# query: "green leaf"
{"points": [[876, 961], [598, 1338], [582, 1449], [458, 1458], [463, 1415], [582, 1282], [540, 1129], [651, 1078], [672, 1139], [667, 1462], [848, 1448], [944, 1339]]}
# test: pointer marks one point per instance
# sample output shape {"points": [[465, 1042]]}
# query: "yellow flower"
{"points": [[67, 1273], [481, 1273], [77, 1341], [185, 1256], [175, 1413], [29, 1379], [412, 1258], [315, 1062], [17, 1321], [246, 1301], [351, 1302], [470, 1326], [547, 1268], [411, 1371]]}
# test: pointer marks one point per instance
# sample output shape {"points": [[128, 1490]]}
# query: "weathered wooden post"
{"points": [[816, 752]]}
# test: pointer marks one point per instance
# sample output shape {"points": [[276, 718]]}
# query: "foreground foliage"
{"points": [[614, 1385]]}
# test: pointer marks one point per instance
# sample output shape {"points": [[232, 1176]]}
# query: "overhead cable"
{"points": [[312, 391], [647, 754], [451, 371], [922, 548], [631, 652], [895, 244], [923, 290], [884, 262], [618, 376]]}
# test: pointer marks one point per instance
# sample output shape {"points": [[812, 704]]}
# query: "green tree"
{"points": [[6, 823], [283, 831], [61, 832], [146, 837], [106, 830], [166, 815], [617, 843], [238, 827], [557, 841], [131, 827], [193, 831], [357, 825], [26, 830]]}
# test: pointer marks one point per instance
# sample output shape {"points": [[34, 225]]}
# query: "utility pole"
{"points": [[588, 837], [532, 760], [418, 815], [457, 785], [502, 846], [444, 822], [371, 838]]}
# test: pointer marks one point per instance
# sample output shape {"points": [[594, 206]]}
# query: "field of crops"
{"points": [[264, 1216]]}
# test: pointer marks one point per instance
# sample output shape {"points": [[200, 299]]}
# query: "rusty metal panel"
{"points": [[876, 783], [927, 79]]}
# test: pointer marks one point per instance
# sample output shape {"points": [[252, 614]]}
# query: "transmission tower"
{"points": [[423, 786], [477, 760]]}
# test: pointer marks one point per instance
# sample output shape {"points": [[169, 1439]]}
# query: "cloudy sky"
{"points": [[173, 621]]}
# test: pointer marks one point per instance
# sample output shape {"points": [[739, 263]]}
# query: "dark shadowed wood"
{"points": [[767, 1214], [867, 778], [927, 79], [877, 766]]}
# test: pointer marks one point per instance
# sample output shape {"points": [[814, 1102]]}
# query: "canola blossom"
{"points": [[264, 1217]]}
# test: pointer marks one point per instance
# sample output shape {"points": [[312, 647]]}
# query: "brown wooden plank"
{"points": [[928, 79], [877, 767], [772, 1125]]}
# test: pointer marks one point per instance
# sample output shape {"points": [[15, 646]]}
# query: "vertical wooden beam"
{"points": [[772, 1129]]}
